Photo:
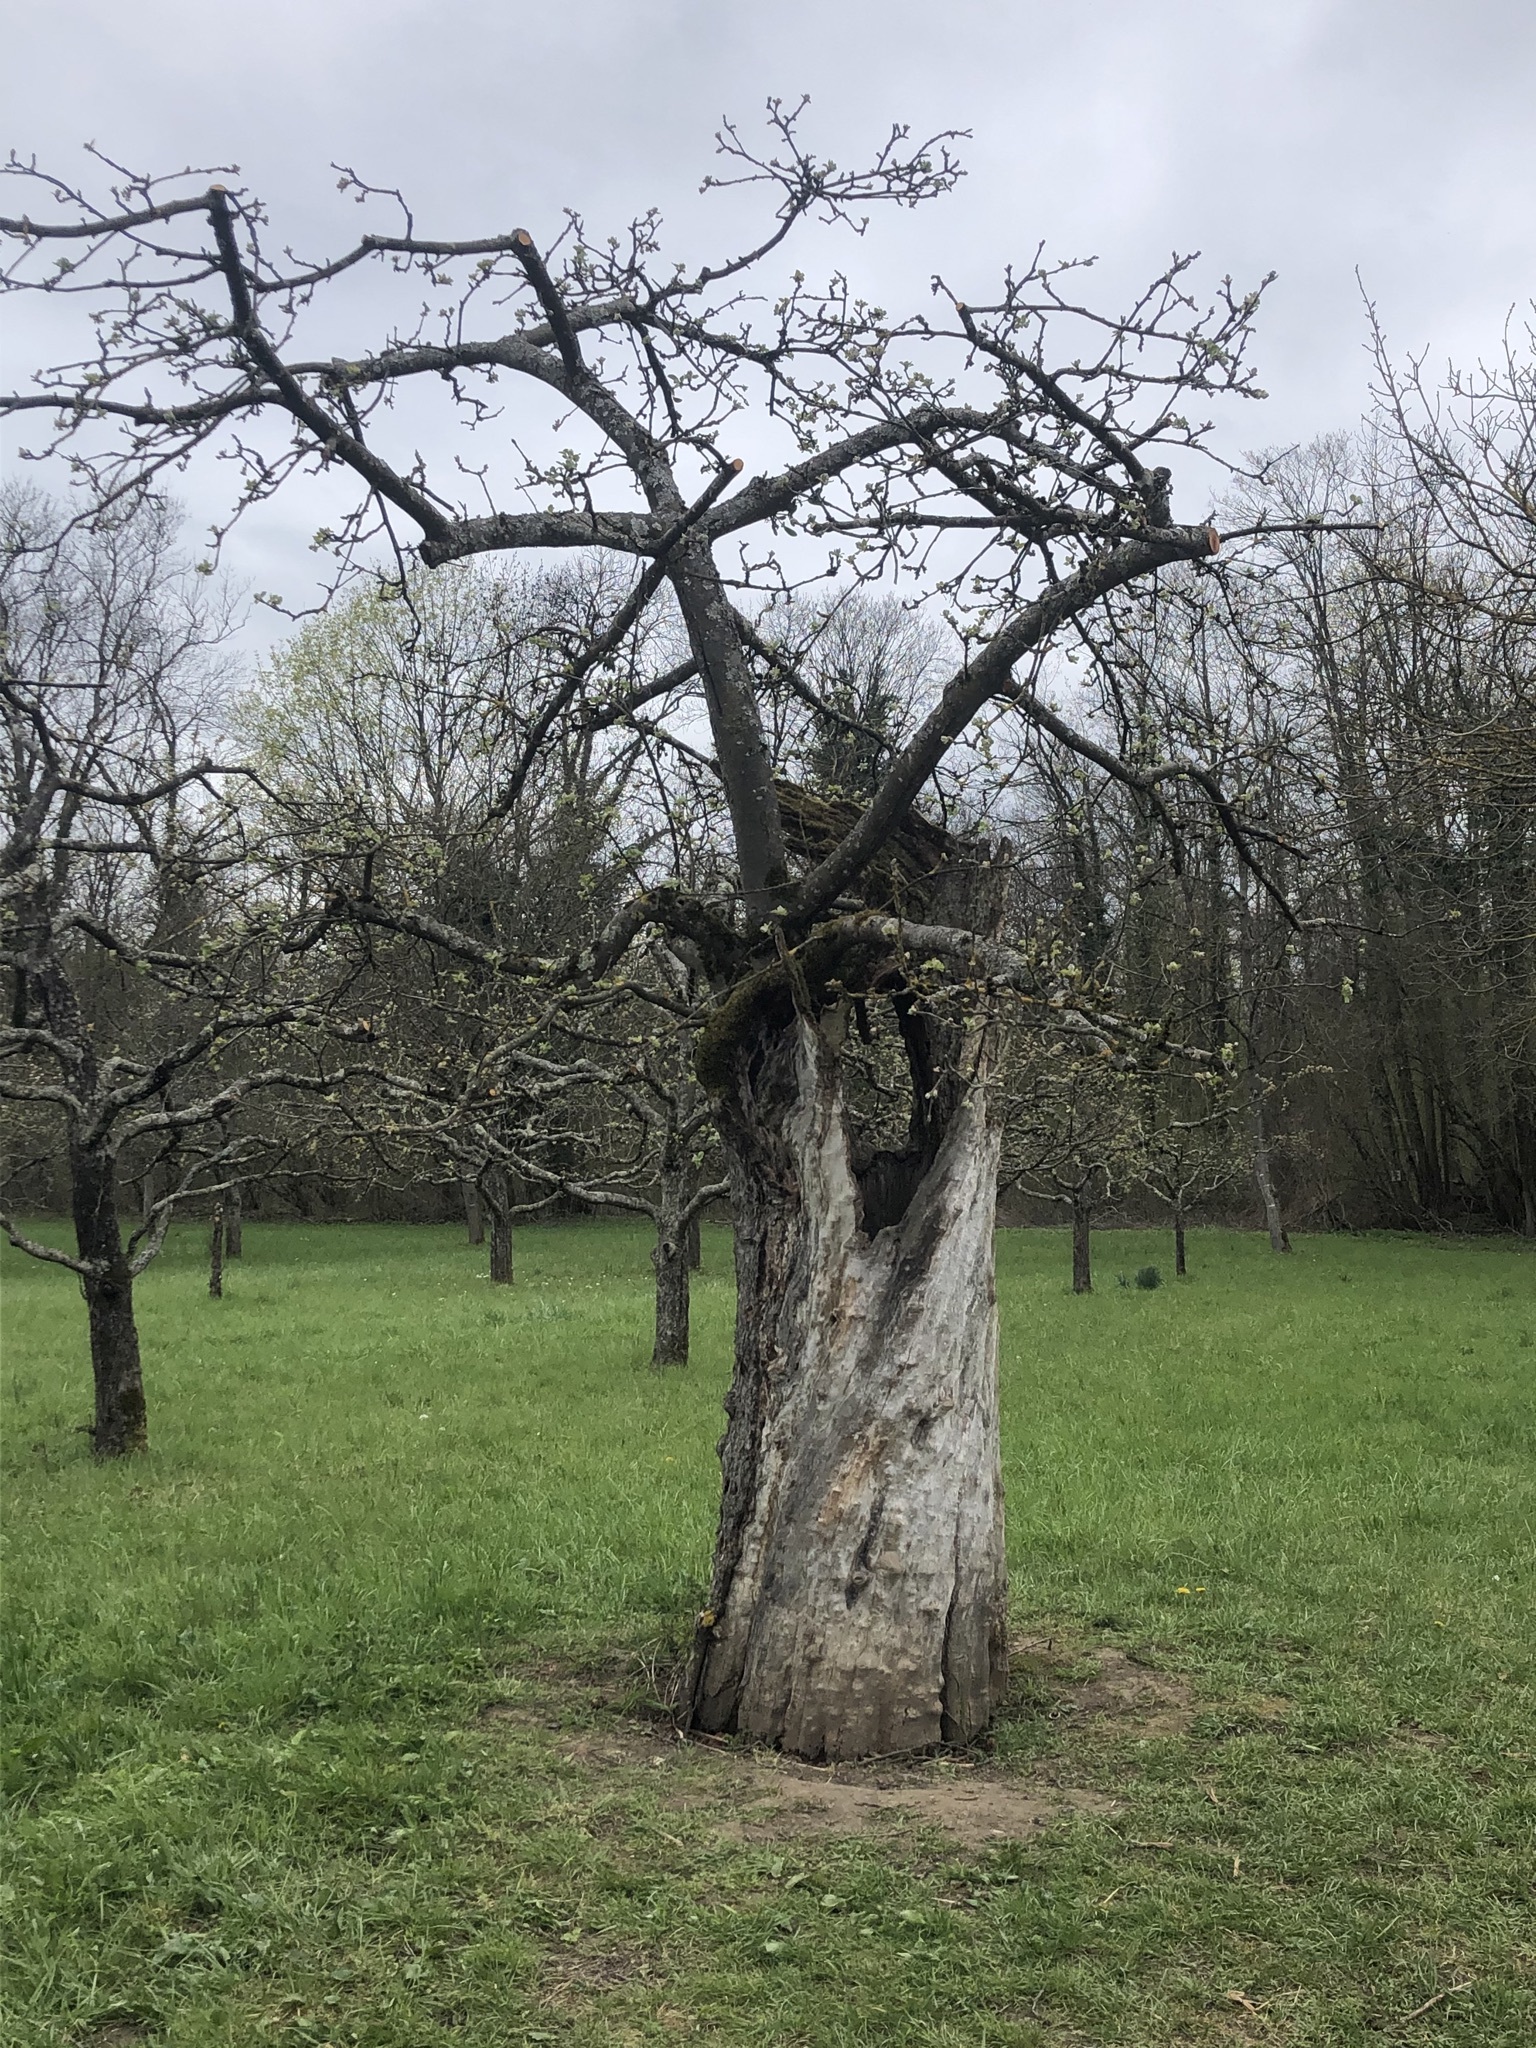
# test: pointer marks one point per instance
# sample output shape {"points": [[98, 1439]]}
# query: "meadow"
{"points": [[340, 1718]]}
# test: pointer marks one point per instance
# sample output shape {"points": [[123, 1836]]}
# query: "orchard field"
{"points": [[341, 1718]]}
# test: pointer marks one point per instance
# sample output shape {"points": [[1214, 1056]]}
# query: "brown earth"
{"points": [[757, 1795]]}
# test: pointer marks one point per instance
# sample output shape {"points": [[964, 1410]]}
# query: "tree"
{"points": [[997, 457], [1070, 1136], [139, 989], [1188, 1152], [665, 1178]]}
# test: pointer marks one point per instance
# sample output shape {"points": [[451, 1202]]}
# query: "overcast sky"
{"points": [[1310, 137]]}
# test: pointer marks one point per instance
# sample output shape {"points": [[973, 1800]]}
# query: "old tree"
{"points": [[993, 456]]}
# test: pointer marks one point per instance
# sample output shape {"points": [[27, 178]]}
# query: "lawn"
{"points": [[335, 1720]]}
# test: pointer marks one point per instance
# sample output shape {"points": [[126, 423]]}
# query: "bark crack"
{"points": [[864, 1556]]}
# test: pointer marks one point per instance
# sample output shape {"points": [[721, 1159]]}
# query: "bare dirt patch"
{"points": [[1142, 1701], [756, 1795]]}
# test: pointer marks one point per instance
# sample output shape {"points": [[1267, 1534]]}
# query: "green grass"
{"points": [[258, 1797]]}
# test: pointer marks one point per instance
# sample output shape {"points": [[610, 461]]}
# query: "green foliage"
{"points": [[306, 1739]]}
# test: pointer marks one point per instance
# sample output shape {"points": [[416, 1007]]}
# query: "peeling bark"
{"points": [[858, 1604]]}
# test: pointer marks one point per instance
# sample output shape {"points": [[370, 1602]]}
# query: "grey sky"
{"points": [[1310, 137]]}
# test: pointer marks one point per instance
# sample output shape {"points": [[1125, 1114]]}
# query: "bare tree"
{"points": [[998, 454], [138, 995]]}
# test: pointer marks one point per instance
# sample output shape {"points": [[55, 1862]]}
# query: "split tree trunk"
{"points": [[858, 1604], [669, 1257], [121, 1424], [1082, 1248], [234, 1223]]}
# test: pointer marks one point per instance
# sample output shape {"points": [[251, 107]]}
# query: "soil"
{"points": [[756, 1795]]}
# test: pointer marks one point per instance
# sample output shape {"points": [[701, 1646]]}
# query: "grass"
{"points": [[325, 1722]]}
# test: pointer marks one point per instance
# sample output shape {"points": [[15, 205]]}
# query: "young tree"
{"points": [[1188, 1151], [997, 453], [1070, 1136], [665, 1171]]}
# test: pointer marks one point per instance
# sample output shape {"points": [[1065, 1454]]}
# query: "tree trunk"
{"points": [[1179, 1266], [858, 1603], [216, 1254], [493, 1199], [234, 1222], [1082, 1248], [121, 1424], [501, 1247], [474, 1215], [1274, 1222], [695, 1244], [670, 1259]]}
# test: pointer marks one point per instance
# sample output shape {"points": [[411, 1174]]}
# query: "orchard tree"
{"points": [[998, 454], [149, 999]]}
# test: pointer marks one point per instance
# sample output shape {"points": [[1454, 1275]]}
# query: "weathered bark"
{"points": [[216, 1253], [858, 1603], [234, 1223], [1179, 1266], [474, 1215], [670, 1259], [1082, 1248], [695, 1245], [121, 1424]]}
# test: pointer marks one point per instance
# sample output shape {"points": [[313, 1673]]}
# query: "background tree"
{"points": [[147, 1002]]}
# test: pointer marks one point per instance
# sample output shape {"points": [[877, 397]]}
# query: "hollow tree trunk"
{"points": [[669, 1257], [121, 1424], [234, 1222], [858, 1603], [1082, 1248], [474, 1215], [1179, 1266], [216, 1254]]}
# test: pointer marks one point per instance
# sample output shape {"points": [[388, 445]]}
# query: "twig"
{"points": [[1429, 2003]]}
